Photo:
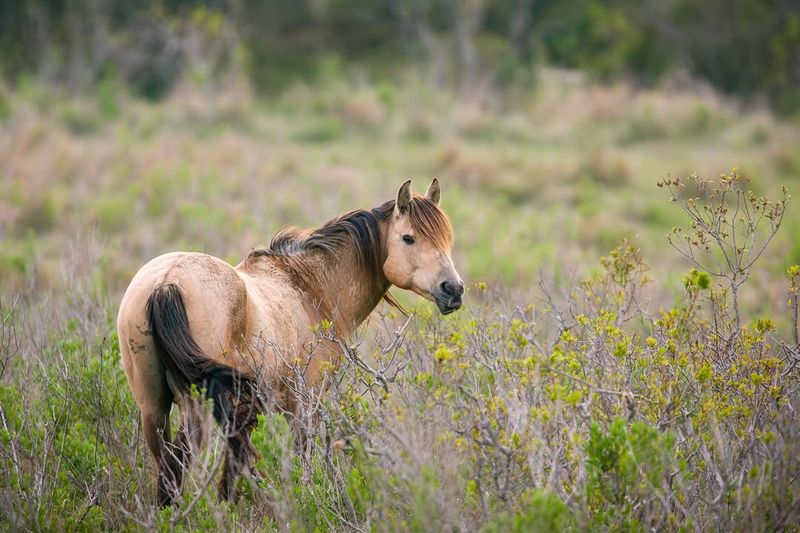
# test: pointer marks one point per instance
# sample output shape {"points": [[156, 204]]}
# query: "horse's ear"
{"points": [[403, 198], [434, 193]]}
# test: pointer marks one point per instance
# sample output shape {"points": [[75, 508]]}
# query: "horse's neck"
{"points": [[345, 293]]}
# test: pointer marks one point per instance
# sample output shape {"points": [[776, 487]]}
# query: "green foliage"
{"points": [[272, 438], [5, 106], [696, 280], [627, 398], [108, 94], [607, 40], [540, 512], [311, 495], [579, 413], [623, 465], [321, 131], [80, 120], [66, 417], [644, 127], [40, 214], [275, 44], [113, 212]]}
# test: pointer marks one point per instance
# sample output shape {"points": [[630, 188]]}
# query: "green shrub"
{"points": [[113, 212], [576, 408], [108, 94], [540, 512], [40, 214], [5, 106], [644, 126], [624, 465], [322, 130], [80, 120]]}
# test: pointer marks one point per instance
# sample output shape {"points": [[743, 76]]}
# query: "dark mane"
{"points": [[362, 228]]}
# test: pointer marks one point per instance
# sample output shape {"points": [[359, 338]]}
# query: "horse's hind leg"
{"points": [[170, 456], [174, 461], [237, 458]]}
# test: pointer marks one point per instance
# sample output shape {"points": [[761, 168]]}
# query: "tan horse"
{"points": [[192, 319]]}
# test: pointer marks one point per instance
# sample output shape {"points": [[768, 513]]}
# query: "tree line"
{"points": [[748, 48]]}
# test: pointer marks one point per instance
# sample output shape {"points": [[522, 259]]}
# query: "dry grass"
{"points": [[176, 170], [500, 417]]}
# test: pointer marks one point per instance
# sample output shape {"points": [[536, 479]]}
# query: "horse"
{"points": [[191, 321]]}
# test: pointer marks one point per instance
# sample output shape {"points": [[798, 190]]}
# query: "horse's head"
{"points": [[419, 239]]}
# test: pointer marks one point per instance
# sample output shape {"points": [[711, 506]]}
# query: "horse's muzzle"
{"points": [[449, 296]]}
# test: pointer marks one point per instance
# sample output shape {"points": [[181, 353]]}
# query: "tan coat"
{"points": [[260, 319]]}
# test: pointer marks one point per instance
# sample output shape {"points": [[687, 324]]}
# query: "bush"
{"points": [[584, 410]]}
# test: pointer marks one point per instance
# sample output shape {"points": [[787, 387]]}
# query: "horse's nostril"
{"points": [[452, 289]]}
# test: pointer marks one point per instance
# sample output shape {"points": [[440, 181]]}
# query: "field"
{"points": [[595, 379]]}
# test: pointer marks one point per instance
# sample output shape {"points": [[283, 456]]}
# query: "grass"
{"points": [[550, 402], [569, 161], [573, 411]]}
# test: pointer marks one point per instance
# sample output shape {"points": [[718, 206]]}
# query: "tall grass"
{"points": [[583, 407], [549, 178]]}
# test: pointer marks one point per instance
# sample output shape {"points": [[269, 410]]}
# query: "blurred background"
{"points": [[574, 390], [128, 129]]}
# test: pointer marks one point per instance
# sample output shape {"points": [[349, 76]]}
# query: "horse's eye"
{"points": [[408, 239]]}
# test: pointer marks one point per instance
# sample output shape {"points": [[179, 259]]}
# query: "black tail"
{"points": [[235, 396]]}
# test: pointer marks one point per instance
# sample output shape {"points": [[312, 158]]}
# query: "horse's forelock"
{"points": [[426, 218]]}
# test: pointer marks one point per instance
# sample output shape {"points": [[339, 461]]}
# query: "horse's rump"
{"points": [[235, 397]]}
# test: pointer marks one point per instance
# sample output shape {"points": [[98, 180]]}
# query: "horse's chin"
{"points": [[447, 306], [444, 304]]}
